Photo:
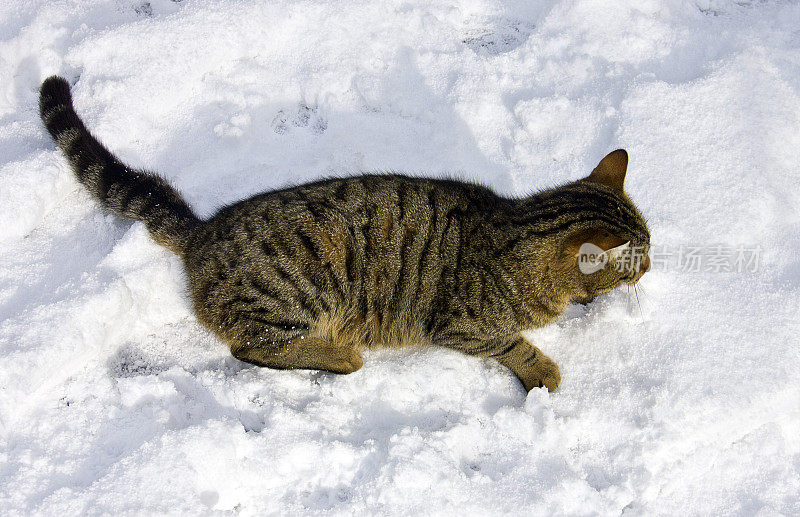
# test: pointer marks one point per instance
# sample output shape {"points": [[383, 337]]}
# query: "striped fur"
{"points": [[305, 277]]}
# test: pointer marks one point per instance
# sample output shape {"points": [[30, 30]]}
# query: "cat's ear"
{"points": [[611, 170]]}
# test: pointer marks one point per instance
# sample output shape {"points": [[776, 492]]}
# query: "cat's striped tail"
{"points": [[128, 192]]}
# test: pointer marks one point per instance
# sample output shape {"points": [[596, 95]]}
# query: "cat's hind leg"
{"points": [[267, 344], [307, 354]]}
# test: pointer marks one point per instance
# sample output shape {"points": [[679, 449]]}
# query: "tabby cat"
{"points": [[306, 276]]}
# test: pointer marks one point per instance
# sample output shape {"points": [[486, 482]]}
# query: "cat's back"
{"points": [[352, 201]]}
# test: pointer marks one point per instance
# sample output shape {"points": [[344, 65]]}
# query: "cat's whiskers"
{"points": [[636, 292], [628, 299]]}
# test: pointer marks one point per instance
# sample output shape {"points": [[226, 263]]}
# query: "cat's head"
{"points": [[609, 243]]}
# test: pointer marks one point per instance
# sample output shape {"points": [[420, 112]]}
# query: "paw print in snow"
{"points": [[144, 9], [497, 36], [306, 116]]}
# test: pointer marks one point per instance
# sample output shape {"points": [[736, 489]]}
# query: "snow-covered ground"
{"points": [[114, 399]]}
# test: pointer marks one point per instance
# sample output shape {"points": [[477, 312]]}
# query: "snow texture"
{"points": [[113, 399]]}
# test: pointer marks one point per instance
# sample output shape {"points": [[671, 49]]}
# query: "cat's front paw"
{"points": [[543, 373]]}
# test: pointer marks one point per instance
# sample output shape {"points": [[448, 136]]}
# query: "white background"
{"points": [[113, 398]]}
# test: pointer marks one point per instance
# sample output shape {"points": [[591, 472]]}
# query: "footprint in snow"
{"points": [[306, 116], [130, 361], [498, 36]]}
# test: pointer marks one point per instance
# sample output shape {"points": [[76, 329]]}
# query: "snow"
{"points": [[113, 399]]}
